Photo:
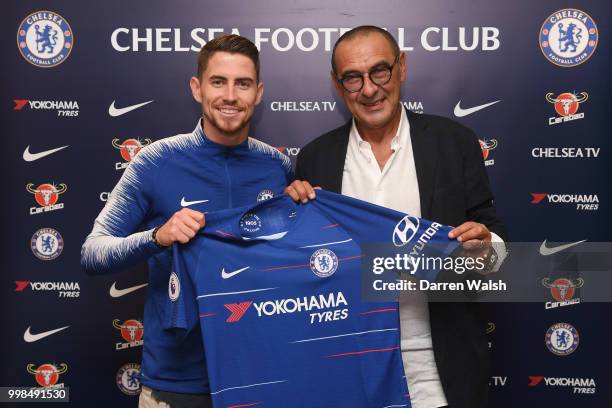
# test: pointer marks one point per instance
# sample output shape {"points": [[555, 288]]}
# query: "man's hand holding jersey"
{"points": [[301, 191], [181, 227], [473, 235], [476, 237]]}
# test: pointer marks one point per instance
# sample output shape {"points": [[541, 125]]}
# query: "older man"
{"points": [[423, 165]]}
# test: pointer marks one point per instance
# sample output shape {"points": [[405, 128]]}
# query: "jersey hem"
{"points": [[181, 387]]}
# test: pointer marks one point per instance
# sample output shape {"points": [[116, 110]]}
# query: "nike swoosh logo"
{"points": [[544, 250], [31, 338], [460, 112], [114, 292], [185, 203], [226, 275], [114, 112], [30, 157]]}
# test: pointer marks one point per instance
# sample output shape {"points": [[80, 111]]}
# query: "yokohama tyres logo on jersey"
{"points": [[317, 305], [237, 311]]}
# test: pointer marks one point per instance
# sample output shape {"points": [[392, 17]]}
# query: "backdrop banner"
{"points": [[86, 86]]}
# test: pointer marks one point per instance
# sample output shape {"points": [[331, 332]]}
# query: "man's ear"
{"points": [[403, 65], [337, 85], [260, 91], [194, 84]]}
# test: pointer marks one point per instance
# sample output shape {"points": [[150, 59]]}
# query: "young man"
{"points": [[423, 165], [168, 188]]}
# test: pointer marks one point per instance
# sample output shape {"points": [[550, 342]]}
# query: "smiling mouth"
{"points": [[229, 111], [374, 104]]}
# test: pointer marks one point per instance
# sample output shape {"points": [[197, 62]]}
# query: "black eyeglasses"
{"points": [[379, 75]]}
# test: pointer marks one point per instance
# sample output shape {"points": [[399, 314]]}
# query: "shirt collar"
{"points": [[401, 139], [199, 134]]}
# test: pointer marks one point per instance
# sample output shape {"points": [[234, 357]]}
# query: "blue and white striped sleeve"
{"points": [[284, 161], [113, 243]]}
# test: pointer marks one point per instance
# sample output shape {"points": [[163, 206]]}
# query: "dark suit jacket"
{"points": [[453, 188]]}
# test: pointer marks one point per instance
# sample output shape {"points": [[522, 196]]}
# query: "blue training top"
{"points": [[187, 170]]}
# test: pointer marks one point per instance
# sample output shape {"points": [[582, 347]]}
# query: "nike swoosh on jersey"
{"points": [[122, 111], [114, 292], [460, 112], [28, 337], [30, 157], [185, 203], [226, 275], [544, 250]]}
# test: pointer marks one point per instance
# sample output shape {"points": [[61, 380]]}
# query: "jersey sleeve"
{"points": [[273, 154], [289, 174], [372, 224], [113, 243], [181, 312]]}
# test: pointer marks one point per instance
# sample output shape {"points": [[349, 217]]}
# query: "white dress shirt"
{"points": [[396, 187]]}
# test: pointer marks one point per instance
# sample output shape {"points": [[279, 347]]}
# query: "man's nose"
{"points": [[230, 93], [369, 87]]}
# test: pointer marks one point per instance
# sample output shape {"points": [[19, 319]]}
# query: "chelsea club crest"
{"points": [[323, 262], [45, 39], [568, 37], [128, 379], [264, 195], [47, 244], [562, 339]]}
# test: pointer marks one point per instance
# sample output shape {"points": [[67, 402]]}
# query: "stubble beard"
{"points": [[227, 131]]}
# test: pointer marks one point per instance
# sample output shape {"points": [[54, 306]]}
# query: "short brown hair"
{"points": [[364, 30], [232, 43]]}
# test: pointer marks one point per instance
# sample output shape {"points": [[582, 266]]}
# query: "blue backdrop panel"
{"points": [[460, 55]]}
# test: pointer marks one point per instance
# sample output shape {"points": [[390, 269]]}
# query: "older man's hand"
{"points": [[476, 239], [301, 191], [472, 234]]}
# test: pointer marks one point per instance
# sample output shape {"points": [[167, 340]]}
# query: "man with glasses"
{"points": [[423, 165]]}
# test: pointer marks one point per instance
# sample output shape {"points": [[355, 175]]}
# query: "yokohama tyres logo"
{"points": [[584, 202], [319, 307], [238, 310], [576, 384]]}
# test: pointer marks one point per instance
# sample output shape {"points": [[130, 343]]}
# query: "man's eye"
{"points": [[244, 84], [379, 73], [352, 79], [216, 82]]}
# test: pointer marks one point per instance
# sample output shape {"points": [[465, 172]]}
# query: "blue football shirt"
{"points": [[276, 292]]}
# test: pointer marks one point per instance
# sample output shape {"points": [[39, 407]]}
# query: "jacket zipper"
{"points": [[229, 180]]}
